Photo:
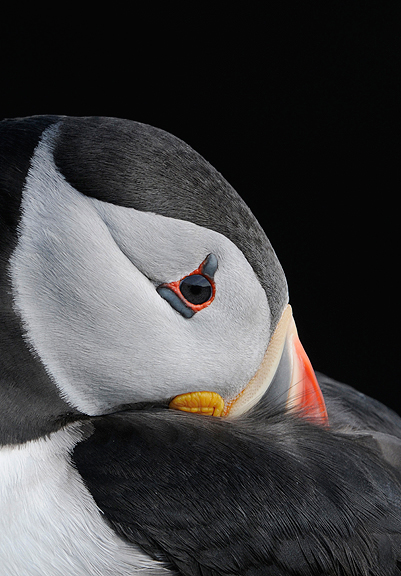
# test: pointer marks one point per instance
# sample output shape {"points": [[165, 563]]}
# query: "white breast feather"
{"points": [[49, 522]]}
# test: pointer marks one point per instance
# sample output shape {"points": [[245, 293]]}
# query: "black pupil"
{"points": [[196, 289]]}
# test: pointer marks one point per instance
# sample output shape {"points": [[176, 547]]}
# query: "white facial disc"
{"points": [[84, 277]]}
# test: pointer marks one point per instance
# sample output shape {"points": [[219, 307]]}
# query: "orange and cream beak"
{"points": [[285, 376]]}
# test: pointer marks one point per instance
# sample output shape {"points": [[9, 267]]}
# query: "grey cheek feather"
{"points": [[84, 278]]}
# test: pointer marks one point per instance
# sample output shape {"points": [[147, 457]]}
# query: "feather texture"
{"points": [[266, 494]]}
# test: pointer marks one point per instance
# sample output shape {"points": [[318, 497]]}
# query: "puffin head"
{"points": [[132, 272]]}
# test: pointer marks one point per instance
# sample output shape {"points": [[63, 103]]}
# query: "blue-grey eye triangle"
{"points": [[174, 301], [210, 266]]}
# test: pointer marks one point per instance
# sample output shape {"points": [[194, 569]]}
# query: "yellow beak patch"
{"points": [[208, 403]]}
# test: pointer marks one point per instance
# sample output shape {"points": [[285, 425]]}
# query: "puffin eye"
{"points": [[193, 292], [196, 289]]}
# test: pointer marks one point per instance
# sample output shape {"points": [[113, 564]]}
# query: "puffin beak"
{"points": [[285, 375], [285, 378]]}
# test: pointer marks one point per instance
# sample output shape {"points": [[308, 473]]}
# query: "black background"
{"points": [[296, 104]]}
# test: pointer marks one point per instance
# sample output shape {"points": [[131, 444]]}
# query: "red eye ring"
{"points": [[201, 290], [176, 288]]}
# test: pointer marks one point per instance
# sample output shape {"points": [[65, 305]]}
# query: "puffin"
{"points": [[159, 415]]}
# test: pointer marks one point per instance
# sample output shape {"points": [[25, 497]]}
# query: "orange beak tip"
{"points": [[305, 394]]}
